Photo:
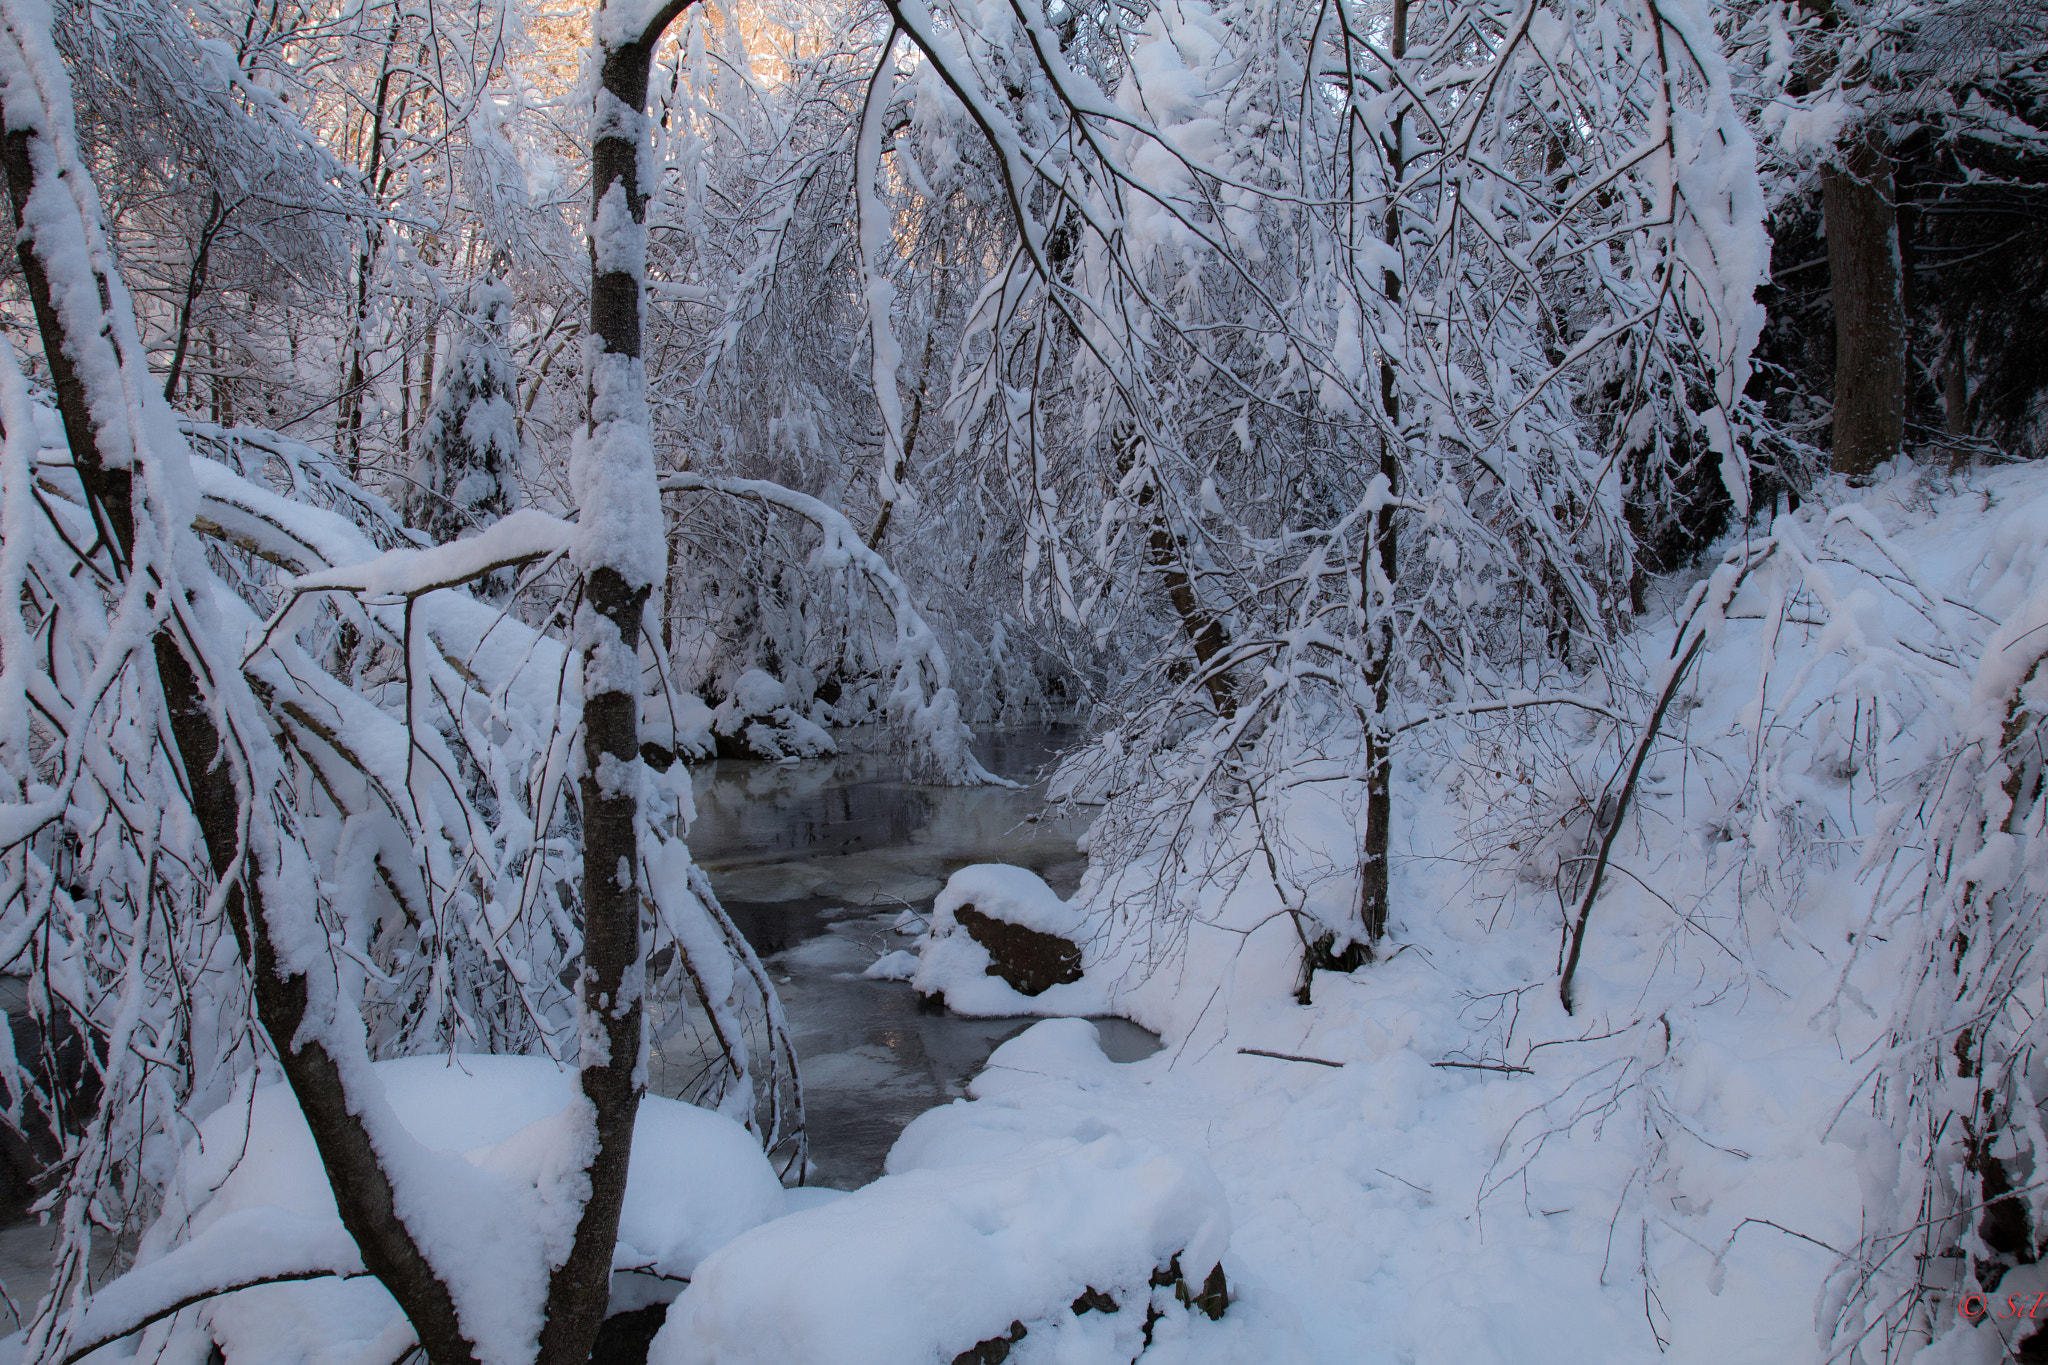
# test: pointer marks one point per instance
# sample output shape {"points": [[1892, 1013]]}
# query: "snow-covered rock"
{"points": [[757, 720], [758, 694], [1014, 895], [676, 723], [1065, 1239], [1027, 931], [1000, 937]]}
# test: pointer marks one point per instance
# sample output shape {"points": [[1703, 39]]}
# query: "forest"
{"points": [[1520, 527]]}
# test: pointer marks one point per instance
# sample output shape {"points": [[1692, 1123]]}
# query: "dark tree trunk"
{"points": [[362, 1192], [1955, 388], [1166, 553], [1374, 892], [375, 179], [613, 972], [1870, 320], [195, 285], [1204, 630]]}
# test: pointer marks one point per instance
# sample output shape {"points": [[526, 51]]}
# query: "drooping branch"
{"points": [[195, 285], [923, 697], [95, 1343], [241, 1251], [114, 420], [1673, 674], [1709, 610]]}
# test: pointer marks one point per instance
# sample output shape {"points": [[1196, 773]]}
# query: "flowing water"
{"points": [[816, 861]]}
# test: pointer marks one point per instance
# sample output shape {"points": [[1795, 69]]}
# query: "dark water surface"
{"points": [[816, 861]]}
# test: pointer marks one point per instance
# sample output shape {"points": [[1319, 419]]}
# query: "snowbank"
{"points": [[678, 722], [1433, 1161], [756, 720], [925, 1264], [1386, 1209], [697, 1180], [1178, 981]]}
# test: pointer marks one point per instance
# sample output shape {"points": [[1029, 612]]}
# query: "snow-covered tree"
{"points": [[467, 452], [1327, 357], [230, 865]]}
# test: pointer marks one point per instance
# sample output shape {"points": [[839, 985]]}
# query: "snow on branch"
{"points": [[517, 538], [1514, 701], [256, 1246]]}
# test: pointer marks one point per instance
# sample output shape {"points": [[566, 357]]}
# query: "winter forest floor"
{"points": [[1432, 1161], [1476, 1176], [1294, 398]]}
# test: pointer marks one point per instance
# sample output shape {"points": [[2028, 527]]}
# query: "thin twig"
{"points": [[107, 1338], [1287, 1056]]}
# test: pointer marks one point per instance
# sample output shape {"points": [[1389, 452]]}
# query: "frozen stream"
{"points": [[815, 860]]}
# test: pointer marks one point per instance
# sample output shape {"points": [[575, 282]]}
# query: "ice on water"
{"points": [[817, 861]]}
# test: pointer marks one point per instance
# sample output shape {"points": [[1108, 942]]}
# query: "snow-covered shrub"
{"points": [[250, 1200], [922, 709], [1940, 724], [756, 720]]}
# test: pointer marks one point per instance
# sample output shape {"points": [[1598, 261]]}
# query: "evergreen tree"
{"points": [[465, 470]]}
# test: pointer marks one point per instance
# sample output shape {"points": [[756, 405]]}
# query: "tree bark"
{"points": [[613, 973], [1870, 319], [1374, 890], [1165, 553], [902, 469], [362, 1192], [1955, 388], [375, 178]]}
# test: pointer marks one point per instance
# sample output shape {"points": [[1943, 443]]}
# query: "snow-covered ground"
{"points": [[1432, 1160], [1447, 1166]]}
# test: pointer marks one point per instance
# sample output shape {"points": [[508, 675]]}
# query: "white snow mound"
{"points": [[696, 1181], [758, 693], [922, 1265], [1014, 895]]}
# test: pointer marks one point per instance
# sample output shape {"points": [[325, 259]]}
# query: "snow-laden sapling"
{"points": [[466, 463]]}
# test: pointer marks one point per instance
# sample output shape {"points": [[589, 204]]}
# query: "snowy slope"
{"points": [[1671, 1170]]}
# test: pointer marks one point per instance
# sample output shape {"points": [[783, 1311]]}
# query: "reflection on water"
{"points": [[849, 831], [815, 860], [872, 1060]]}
